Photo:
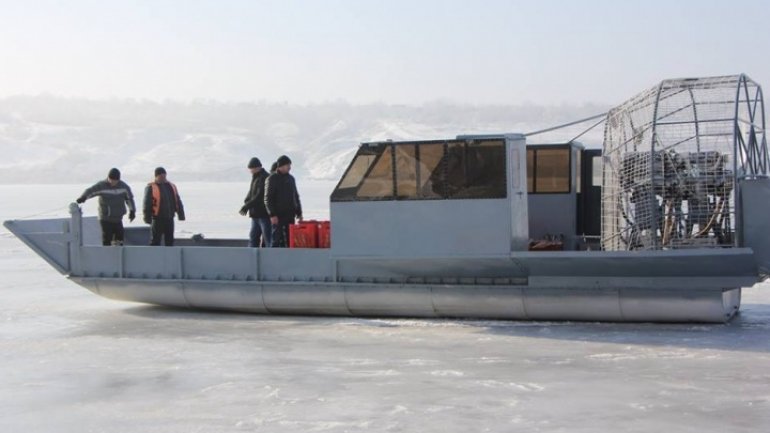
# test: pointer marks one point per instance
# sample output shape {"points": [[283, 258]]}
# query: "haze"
{"points": [[395, 52]]}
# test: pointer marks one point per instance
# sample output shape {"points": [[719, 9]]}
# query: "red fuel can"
{"points": [[303, 235], [324, 234]]}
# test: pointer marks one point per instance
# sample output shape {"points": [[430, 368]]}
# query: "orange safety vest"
{"points": [[156, 197]]}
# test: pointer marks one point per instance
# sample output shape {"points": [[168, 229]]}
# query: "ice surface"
{"points": [[74, 362]]}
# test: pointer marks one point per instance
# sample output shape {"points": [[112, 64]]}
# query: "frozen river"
{"points": [[71, 361]]}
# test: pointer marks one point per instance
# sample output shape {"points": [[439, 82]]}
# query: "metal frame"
{"points": [[744, 123], [754, 153]]}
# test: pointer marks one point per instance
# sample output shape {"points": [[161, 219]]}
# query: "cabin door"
{"points": [[590, 197]]}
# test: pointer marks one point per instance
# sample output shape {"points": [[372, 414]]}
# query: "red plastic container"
{"points": [[303, 235], [324, 234]]}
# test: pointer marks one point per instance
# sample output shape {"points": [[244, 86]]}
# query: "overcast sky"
{"points": [[392, 51]]}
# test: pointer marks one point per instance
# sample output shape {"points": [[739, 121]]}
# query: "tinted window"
{"points": [[346, 189], [454, 160], [426, 170], [552, 171], [476, 170], [596, 171], [431, 170], [379, 181], [406, 171], [358, 169]]}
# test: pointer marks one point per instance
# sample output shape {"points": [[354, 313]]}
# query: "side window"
{"points": [[455, 168], [346, 189], [476, 170], [596, 171], [552, 170], [425, 170], [379, 181], [431, 171], [549, 171], [406, 171], [357, 171]]}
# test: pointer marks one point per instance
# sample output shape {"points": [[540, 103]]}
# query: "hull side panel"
{"points": [[689, 306], [166, 293], [755, 206], [587, 304], [246, 298], [486, 302], [390, 300], [429, 301], [305, 299]]}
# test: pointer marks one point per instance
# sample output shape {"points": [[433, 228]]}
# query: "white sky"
{"points": [[393, 51]]}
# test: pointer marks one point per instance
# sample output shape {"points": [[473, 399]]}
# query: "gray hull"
{"points": [[657, 286], [428, 301]]}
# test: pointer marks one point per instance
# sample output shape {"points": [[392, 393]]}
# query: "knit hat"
{"points": [[283, 160], [254, 163], [114, 174], [159, 171], [273, 167]]}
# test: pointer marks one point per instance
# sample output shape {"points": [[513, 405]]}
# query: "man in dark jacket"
{"points": [[254, 205], [282, 201], [114, 195], [161, 202]]}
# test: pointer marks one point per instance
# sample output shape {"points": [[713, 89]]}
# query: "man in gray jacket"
{"points": [[114, 195]]}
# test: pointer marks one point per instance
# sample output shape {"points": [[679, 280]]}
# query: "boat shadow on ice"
{"points": [[747, 332]]}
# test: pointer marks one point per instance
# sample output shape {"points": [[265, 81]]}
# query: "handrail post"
{"points": [[76, 240]]}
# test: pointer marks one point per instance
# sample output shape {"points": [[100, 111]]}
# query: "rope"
{"points": [[592, 127], [44, 213], [553, 128]]}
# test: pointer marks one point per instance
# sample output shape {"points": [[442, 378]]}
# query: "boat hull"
{"points": [[427, 300], [701, 285]]}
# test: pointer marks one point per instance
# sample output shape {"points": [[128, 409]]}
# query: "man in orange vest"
{"points": [[161, 202]]}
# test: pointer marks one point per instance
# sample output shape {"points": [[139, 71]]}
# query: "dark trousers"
{"points": [[162, 227], [281, 231], [112, 231], [260, 227]]}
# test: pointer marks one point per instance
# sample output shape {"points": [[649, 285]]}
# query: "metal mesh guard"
{"points": [[671, 160]]}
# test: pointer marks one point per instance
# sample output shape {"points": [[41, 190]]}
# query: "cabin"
{"points": [[468, 196], [471, 196]]}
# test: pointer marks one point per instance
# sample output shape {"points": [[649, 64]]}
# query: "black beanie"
{"points": [[159, 171], [114, 174], [254, 163], [283, 160]]}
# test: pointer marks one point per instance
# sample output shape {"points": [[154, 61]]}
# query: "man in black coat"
{"points": [[282, 201], [161, 202], [254, 205]]}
